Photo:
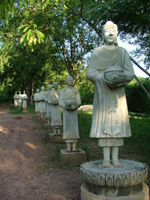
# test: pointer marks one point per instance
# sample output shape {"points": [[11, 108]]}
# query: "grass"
{"points": [[138, 143], [14, 110]]}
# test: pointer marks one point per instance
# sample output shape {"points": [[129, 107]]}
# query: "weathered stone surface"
{"points": [[132, 173], [72, 158], [58, 139], [87, 195]]}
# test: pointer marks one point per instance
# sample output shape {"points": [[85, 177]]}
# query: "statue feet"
{"points": [[117, 164], [106, 164]]}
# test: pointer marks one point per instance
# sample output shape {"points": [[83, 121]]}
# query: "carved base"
{"points": [[114, 183], [72, 158], [57, 139], [87, 195]]}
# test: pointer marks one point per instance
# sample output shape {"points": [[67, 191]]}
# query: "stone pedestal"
{"points": [[72, 158], [125, 183], [57, 139]]}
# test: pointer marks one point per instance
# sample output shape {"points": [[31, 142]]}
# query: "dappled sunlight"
{"points": [[32, 146], [57, 196], [4, 130]]}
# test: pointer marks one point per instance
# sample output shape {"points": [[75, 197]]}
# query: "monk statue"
{"points": [[70, 101], [48, 105], [36, 99], [56, 121], [24, 100], [110, 69]]}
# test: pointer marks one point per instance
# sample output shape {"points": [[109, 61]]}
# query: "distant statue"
{"points": [[56, 121], [70, 100], [20, 100], [48, 105], [15, 99], [36, 99], [42, 103], [110, 69], [24, 100]]}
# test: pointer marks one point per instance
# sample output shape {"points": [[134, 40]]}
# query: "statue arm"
{"points": [[128, 68], [61, 100], [92, 68]]}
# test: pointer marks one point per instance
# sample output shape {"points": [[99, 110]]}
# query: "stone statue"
{"points": [[42, 103], [48, 105], [56, 121], [15, 99], [24, 100], [20, 100], [70, 100], [36, 99], [110, 69]]}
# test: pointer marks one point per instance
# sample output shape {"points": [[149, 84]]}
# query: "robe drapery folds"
{"points": [[70, 95], [110, 113], [55, 109]]}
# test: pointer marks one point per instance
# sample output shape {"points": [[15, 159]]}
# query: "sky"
{"points": [[138, 72]]}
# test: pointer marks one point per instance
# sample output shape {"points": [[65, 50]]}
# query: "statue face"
{"points": [[55, 85], [69, 81], [110, 34], [49, 87], [42, 88]]}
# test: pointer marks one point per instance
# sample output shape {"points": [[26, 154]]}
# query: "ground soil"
{"points": [[29, 167]]}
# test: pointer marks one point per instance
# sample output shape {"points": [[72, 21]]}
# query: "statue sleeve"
{"points": [[92, 68], [127, 65]]}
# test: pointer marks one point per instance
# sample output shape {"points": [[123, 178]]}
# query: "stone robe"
{"points": [[70, 95], [42, 103], [48, 105], [24, 101], [19, 100], [55, 109], [110, 112], [16, 100], [36, 99]]}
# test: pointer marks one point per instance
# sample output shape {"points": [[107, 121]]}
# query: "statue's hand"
{"points": [[118, 79], [73, 107]]}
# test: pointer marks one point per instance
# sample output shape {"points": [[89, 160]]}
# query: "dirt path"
{"points": [[27, 171]]}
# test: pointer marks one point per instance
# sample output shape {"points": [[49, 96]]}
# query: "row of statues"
{"points": [[48, 106], [20, 100]]}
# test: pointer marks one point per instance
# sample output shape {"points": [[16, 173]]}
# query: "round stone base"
{"points": [[87, 195]]}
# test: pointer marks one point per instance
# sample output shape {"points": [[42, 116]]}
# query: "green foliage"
{"points": [[140, 137], [15, 110], [86, 89], [137, 100], [6, 94]]}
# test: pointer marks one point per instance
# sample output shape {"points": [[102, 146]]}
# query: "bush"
{"points": [[137, 99]]}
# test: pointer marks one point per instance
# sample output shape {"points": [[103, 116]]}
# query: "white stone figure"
{"points": [[42, 103], [15, 99], [24, 100], [110, 69], [56, 121], [36, 99], [20, 100], [70, 100], [48, 105]]}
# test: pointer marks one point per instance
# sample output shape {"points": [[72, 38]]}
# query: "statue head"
{"points": [[55, 85], [42, 88], [19, 92], [37, 90], [49, 87], [110, 32], [24, 92], [69, 80]]}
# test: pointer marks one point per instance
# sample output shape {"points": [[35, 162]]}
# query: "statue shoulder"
{"points": [[98, 50]]}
